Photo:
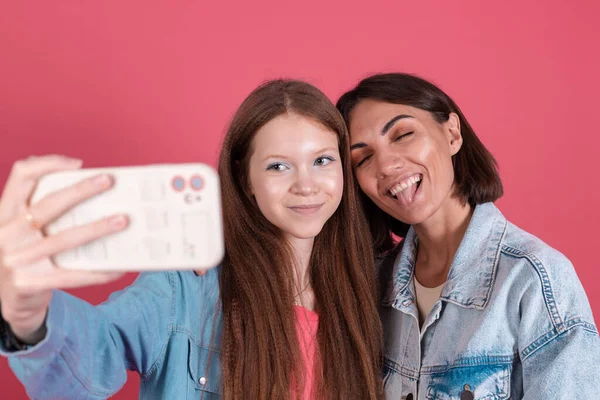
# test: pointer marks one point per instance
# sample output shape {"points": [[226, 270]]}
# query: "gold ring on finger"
{"points": [[34, 223]]}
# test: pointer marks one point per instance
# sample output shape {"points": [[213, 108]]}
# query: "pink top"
{"points": [[307, 322]]}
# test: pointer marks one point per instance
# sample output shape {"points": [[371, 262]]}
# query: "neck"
{"points": [[302, 251], [439, 239]]}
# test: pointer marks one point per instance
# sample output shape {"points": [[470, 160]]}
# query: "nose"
{"points": [[305, 184], [387, 163]]}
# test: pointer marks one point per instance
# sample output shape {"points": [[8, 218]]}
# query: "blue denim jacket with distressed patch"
{"points": [[512, 321], [166, 326]]}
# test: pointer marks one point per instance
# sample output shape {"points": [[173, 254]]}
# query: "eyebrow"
{"points": [[392, 122], [275, 156], [282, 157], [386, 129]]}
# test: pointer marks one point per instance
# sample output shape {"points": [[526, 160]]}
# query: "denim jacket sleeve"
{"points": [[559, 343], [88, 349]]}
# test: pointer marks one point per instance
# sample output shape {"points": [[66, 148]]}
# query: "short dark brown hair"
{"points": [[476, 177]]}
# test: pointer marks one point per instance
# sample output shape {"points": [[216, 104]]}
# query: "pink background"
{"points": [[130, 82]]}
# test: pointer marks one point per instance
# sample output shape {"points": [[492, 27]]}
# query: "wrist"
{"points": [[30, 337], [29, 332], [8, 340]]}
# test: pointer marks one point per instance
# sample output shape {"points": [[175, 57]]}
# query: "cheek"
{"points": [[429, 153], [268, 206], [441, 163], [335, 182], [367, 182], [267, 193], [424, 151]]}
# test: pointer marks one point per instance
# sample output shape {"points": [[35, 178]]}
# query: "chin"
{"points": [[412, 217], [307, 233]]}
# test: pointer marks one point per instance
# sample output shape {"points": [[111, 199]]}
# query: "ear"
{"points": [[453, 133]]}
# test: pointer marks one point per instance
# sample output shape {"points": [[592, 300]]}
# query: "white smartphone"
{"points": [[174, 212]]}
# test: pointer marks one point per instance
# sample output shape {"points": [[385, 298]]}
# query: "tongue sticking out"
{"points": [[408, 195]]}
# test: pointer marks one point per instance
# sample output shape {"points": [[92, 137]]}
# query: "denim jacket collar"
{"points": [[472, 273]]}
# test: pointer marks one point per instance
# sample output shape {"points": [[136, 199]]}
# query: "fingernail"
{"points": [[102, 180], [118, 221]]}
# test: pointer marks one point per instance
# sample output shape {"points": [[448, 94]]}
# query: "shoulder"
{"points": [[197, 305], [184, 293], [548, 280], [178, 283], [537, 260]]}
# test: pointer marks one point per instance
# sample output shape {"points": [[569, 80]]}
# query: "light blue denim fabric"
{"points": [[513, 321], [161, 326]]}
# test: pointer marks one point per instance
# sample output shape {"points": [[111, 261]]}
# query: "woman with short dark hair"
{"points": [[472, 306]]}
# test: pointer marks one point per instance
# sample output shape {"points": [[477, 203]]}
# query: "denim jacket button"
{"points": [[406, 303], [202, 381], [467, 394]]}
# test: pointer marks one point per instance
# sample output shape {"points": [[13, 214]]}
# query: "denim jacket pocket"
{"points": [[392, 379], [387, 371], [476, 382], [204, 367]]}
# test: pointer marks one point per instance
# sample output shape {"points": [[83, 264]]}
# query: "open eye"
{"points": [[277, 167], [322, 161]]}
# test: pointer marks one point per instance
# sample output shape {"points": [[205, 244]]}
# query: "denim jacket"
{"points": [[166, 326], [512, 321]]}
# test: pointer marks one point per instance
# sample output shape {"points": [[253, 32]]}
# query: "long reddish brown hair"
{"points": [[260, 350]]}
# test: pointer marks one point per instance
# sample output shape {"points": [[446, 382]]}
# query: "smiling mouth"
{"points": [[306, 209], [411, 184]]}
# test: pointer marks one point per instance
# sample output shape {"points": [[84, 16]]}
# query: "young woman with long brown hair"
{"points": [[290, 312]]}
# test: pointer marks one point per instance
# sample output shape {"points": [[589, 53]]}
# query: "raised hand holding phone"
{"points": [[40, 250], [27, 273], [174, 213]]}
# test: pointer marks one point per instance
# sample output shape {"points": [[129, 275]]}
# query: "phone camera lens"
{"points": [[197, 182], [178, 183]]}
